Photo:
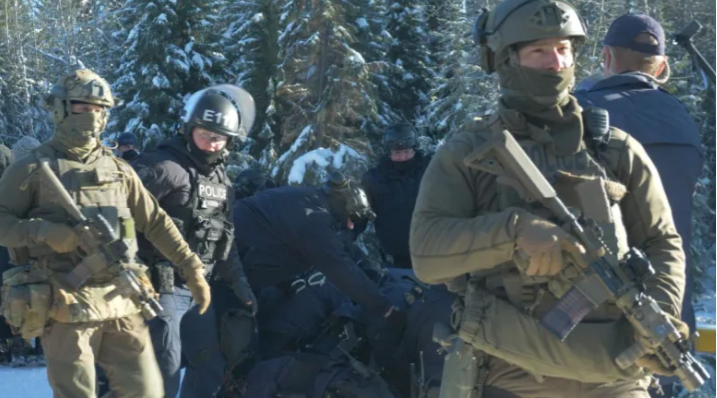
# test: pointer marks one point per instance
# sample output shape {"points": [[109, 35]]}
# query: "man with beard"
{"points": [[472, 230]]}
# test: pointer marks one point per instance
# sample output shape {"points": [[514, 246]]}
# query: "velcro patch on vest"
{"points": [[213, 195]]}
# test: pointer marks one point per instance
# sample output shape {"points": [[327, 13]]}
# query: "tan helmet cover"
{"points": [[81, 85], [518, 21]]}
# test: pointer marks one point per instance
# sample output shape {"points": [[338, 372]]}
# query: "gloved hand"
{"points": [[60, 237], [544, 243], [199, 287], [243, 291], [652, 362], [395, 319]]}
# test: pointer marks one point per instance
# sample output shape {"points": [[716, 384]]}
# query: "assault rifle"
{"points": [[600, 276], [104, 251]]}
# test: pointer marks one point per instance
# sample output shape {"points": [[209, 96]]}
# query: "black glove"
{"points": [[242, 290], [396, 320]]}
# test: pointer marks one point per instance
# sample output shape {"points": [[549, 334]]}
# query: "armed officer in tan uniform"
{"points": [[87, 324], [468, 226]]}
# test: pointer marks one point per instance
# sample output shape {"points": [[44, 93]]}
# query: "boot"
{"points": [[38, 354], [4, 352], [20, 350]]}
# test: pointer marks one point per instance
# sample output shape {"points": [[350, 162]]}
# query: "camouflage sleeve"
{"points": [[648, 221], [156, 225], [19, 190], [452, 231]]}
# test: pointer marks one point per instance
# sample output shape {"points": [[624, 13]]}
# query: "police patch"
{"points": [[214, 194]]}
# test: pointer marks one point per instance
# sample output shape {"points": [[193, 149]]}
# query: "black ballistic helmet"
{"points": [[346, 198], [250, 182], [127, 139], [213, 110], [400, 136]]}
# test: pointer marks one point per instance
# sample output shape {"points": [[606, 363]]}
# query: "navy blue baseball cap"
{"points": [[625, 29], [127, 139]]}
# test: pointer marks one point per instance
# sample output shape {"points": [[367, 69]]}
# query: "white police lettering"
{"points": [[208, 115], [219, 118], [217, 192]]}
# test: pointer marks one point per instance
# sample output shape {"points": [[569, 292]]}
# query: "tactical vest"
{"points": [[205, 221], [566, 174], [499, 312], [97, 188]]}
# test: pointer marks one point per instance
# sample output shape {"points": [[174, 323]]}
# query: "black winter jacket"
{"points": [[284, 231], [392, 193]]}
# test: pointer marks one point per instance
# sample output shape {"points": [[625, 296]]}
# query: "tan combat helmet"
{"points": [[518, 21], [82, 85]]}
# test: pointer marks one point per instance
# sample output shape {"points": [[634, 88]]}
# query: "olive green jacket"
{"points": [[458, 226], [19, 194]]}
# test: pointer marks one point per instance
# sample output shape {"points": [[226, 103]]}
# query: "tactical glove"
{"points": [[60, 237], [199, 287], [396, 319], [652, 362], [243, 291], [544, 242]]}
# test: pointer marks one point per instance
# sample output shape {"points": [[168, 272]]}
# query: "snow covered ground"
{"points": [[24, 382]]}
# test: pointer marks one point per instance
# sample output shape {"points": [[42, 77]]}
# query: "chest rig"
{"points": [[98, 189], [579, 180], [205, 221]]}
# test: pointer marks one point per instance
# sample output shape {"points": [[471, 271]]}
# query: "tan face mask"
{"points": [[78, 132], [531, 90]]}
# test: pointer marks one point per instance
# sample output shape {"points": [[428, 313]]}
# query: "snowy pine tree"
{"points": [[437, 16], [463, 90], [162, 63], [18, 108], [325, 93], [249, 41], [412, 82]]}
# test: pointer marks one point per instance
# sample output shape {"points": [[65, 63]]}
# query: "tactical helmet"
{"points": [[346, 198], [127, 139], [24, 146], [224, 109], [251, 181], [82, 85], [518, 21], [400, 136]]}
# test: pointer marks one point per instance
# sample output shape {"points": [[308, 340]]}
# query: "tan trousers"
{"points": [[512, 381], [122, 347]]}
